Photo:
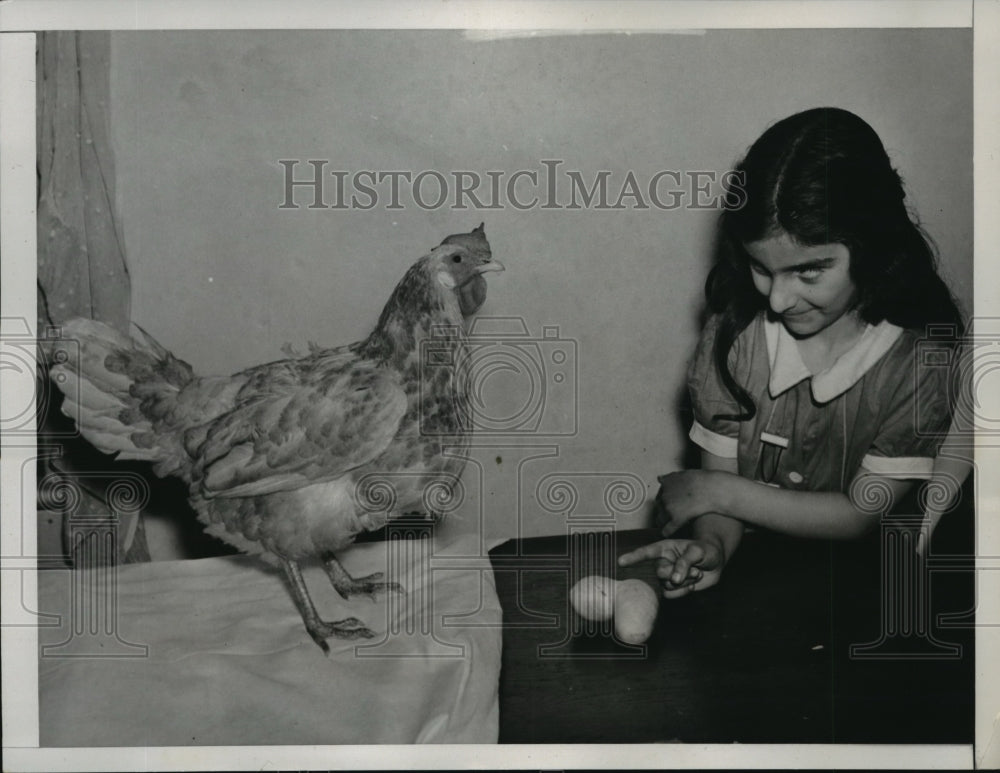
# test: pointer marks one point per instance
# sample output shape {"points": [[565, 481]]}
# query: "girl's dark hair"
{"points": [[822, 176]]}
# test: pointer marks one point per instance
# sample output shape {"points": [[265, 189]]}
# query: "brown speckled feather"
{"points": [[339, 414]]}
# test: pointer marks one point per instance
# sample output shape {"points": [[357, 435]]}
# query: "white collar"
{"points": [[788, 369]]}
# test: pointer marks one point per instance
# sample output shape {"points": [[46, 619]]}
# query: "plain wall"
{"points": [[223, 277]]}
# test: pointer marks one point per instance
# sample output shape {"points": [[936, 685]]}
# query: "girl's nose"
{"points": [[781, 299]]}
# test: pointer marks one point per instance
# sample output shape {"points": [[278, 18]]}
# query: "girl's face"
{"points": [[808, 288]]}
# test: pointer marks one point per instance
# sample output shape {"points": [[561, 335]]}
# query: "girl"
{"points": [[807, 377]]}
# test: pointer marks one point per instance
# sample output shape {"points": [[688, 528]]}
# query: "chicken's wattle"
{"points": [[472, 295]]}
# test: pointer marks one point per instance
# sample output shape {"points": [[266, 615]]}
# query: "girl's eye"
{"points": [[758, 269], [810, 274]]}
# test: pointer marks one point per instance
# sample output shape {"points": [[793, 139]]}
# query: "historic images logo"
{"points": [[310, 185]]}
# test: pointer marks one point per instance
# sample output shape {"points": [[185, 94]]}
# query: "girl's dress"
{"points": [[883, 406]]}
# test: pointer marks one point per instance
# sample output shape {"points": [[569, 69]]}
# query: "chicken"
{"points": [[275, 456]]}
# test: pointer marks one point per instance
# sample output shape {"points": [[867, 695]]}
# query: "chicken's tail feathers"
{"points": [[120, 391]]}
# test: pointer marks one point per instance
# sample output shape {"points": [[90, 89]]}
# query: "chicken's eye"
{"points": [[456, 259]]}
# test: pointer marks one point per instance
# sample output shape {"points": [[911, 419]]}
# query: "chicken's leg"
{"points": [[347, 586], [319, 630]]}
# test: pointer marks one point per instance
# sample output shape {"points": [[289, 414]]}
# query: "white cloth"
{"points": [[229, 661]]}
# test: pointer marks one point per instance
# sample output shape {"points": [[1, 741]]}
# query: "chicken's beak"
{"points": [[493, 265]]}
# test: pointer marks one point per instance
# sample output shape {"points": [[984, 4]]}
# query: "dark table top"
{"points": [[763, 657]]}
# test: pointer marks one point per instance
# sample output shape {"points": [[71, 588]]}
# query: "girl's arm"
{"points": [[722, 529], [829, 515]]}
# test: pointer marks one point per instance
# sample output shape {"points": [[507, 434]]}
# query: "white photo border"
{"points": [[19, 21]]}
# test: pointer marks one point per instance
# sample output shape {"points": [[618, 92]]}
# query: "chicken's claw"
{"points": [[348, 628], [320, 630], [370, 585]]}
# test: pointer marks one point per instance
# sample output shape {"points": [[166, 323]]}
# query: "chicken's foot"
{"points": [[319, 629], [370, 585]]}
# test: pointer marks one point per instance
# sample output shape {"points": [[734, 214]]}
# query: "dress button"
{"points": [[794, 477]]}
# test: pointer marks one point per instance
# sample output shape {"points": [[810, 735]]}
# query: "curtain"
{"points": [[81, 256]]}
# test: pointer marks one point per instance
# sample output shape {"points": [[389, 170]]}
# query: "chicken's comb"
{"points": [[474, 241]]}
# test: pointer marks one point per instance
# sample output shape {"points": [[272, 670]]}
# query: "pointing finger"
{"points": [[645, 553]]}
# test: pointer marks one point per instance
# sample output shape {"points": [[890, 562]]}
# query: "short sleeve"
{"points": [[915, 423], [709, 398]]}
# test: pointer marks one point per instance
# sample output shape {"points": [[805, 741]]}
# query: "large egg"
{"points": [[594, 597], [636, 605]]}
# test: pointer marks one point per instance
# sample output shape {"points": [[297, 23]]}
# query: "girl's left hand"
{"points": [[685, 495]]}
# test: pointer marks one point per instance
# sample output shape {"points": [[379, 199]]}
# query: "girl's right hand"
{"points": [[682, 565]]}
